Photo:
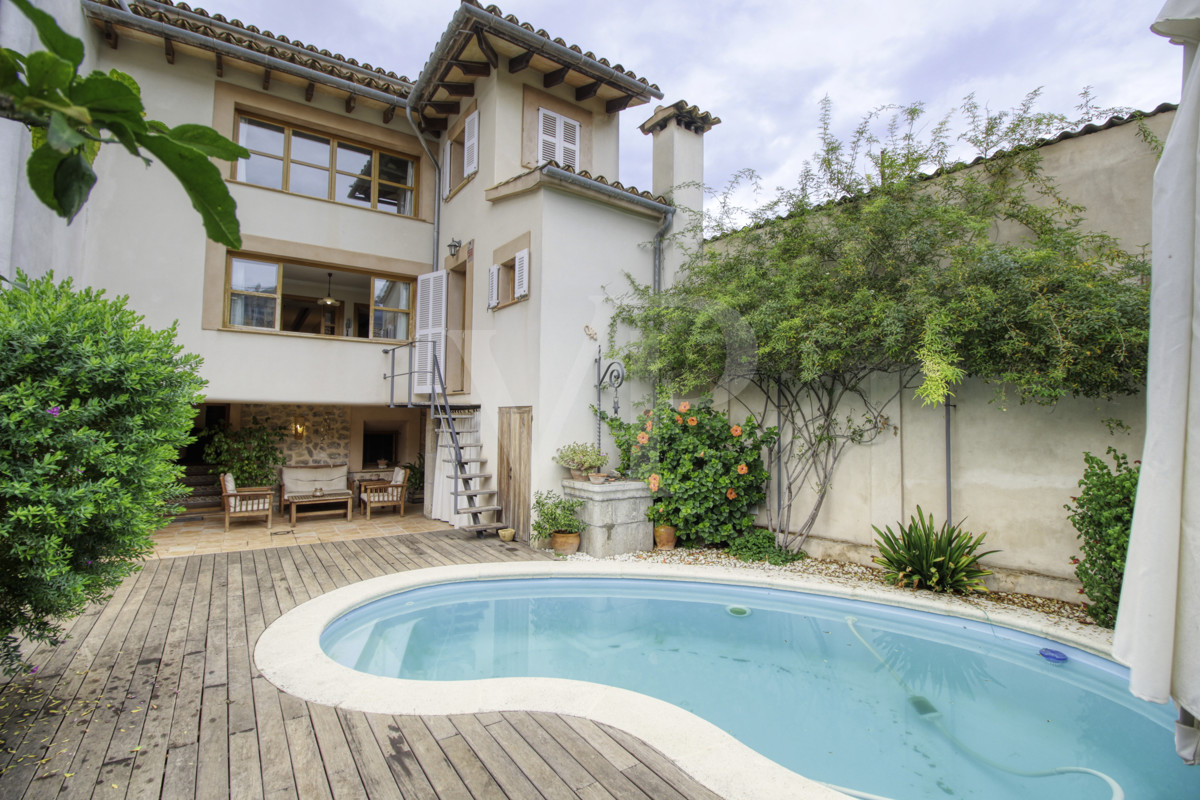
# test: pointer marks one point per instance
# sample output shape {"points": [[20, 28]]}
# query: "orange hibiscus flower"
{"points": [[684, 407], [643, 438], [743, 469], [693, 421], [654, 483], [679, 419], [736, 430], [650, 425], [731, 494]]}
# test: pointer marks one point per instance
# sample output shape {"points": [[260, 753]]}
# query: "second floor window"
{"points": [[308, 163], [558, 139]]}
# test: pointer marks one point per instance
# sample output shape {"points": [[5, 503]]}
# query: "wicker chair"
{"points": [[249, 501], [385, 493]]}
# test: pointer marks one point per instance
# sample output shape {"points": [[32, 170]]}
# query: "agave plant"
{"points": [[926, 557]]}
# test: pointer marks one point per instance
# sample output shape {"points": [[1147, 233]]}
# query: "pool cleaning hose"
{"points": [[927, 710]]}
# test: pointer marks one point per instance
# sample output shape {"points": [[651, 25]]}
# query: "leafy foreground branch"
{"points": [[71, 116], [871, 279]]}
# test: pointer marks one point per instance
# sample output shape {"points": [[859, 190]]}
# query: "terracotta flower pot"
{"points": [[664, 537], [597, 477], [577, 475], [564, 543]]}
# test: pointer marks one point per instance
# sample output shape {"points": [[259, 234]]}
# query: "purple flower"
{"points": [[54, 411]]}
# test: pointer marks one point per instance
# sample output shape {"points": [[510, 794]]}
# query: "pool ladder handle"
{"points": [[931, 714]]}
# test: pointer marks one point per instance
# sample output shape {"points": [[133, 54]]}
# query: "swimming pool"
{"points": [[886, 701]]}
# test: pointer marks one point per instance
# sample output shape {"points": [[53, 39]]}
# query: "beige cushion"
{"points": [[227, 483], [302, 480], [399, 475]]}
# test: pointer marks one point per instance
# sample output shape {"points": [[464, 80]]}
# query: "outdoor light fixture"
{"points": [[299, 426], [453, 247], [328, 299]]}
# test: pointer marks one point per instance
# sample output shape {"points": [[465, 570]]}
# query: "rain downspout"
{"points": [[949, 485]]}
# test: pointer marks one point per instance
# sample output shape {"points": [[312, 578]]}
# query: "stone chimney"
{"points": [[678, 131]]}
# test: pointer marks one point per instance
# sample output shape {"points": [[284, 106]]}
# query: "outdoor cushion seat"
{"points": [[385, 493], [249, 501], [331, 479]]}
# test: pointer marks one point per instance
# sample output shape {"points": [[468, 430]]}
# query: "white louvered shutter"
{"points": [[547, 135], [493, 286], [446, 169], [431, 328], [521, 274], [471, 144], [569, 129]]}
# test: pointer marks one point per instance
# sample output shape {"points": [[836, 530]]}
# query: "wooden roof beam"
{"points": [[351, 102], [459, 89], [310, 90], [388, 114], [476, 69], [489, 52], [110, 35], [266, 79], [618, 103], [551, 79], [444, 106], [587, 92], [518, 63], [169, 50], [434, 124], [220, 66]]}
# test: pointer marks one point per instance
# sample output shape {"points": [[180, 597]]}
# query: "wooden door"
{"points": [[515, 438]]}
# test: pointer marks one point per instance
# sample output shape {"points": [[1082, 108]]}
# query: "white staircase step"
{"points": [[476, 509], [464, 461], [469, 475]]}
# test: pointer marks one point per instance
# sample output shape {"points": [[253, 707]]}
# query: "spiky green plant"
{"points": [[927, 557]]}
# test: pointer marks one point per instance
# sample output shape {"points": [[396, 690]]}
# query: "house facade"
{"points": [[462, 215]]}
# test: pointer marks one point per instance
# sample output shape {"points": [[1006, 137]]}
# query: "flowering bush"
{"points": [[706, 474]]}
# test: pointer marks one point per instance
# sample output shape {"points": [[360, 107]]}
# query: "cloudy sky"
{"points": [[763, 66]]}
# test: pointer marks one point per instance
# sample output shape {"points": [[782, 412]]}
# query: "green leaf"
{"points": [[73, 182], [53, 37], [60, 135], [47, 74], [10, 68], [208, 141], [100, 92], [40, 170], [202, 181]]}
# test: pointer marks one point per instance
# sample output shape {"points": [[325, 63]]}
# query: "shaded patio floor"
{"points": [[156, 694]]}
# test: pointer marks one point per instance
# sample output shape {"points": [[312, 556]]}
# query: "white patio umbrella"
{"points": [[1158, 625]]}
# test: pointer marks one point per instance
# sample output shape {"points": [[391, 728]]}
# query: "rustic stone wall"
{"points": [[327, 431]]}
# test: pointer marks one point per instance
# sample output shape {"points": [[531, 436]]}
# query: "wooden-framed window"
{"points": [[508, 281], [289, 297], [314, 164], [558, 139], [460, 155]]}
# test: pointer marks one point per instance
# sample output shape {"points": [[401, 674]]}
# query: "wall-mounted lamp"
{"points": [[453, 247], [299, 426]]}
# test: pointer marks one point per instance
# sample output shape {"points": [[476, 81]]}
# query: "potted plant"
{"points": [[555, 518], [664, 526], [581, 458]]}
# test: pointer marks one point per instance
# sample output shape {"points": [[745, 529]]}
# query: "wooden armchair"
{"points": [[249, 501], [385, 493]]}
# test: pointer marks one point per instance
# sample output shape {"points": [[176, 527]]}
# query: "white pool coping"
{"points": [[289, 655]]}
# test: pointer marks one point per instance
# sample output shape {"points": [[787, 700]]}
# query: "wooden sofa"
{"points": [[315, 484]]}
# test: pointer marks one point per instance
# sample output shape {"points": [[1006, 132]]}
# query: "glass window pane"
{"points": [[310, 148], [392, 294], [393, 198], [309, 180], [390, 325], [253, 276], [352, 189], [252, 311], [261, 136], [356, 160], [261, 171], [396, 170]]}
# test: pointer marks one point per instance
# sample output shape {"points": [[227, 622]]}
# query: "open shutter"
{"points": [[547, 135], [493, 286], [521, 274], [471, 144], [570, 143], [446, 169], [431, 328]]}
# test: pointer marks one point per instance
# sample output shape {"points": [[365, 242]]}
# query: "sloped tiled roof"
{"points": [[632, 191], [251, 38]]}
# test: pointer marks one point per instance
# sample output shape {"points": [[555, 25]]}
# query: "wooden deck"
{"points": [[156, 695]]}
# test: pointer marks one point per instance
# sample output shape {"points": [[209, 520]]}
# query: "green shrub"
{"points": [[553, 513], [939, 559], [251, 453], [1102, 514], [94, 407], [759, 545], [707, 474]]}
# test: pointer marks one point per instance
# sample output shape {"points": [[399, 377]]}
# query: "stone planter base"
{"points": [[615, 516]]}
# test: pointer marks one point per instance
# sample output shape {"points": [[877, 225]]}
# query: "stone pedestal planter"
{"points": [[615, 516]]}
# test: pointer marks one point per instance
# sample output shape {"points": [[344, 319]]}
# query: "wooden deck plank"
{"points": [[158, 694]]}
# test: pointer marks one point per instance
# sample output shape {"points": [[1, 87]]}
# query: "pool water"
{"points": [[887, 701]]}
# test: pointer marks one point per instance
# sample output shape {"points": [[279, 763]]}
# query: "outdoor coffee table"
{"points": [[328, 497]]}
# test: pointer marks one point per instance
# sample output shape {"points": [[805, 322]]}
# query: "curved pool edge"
{"points": [[288, 654]]}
